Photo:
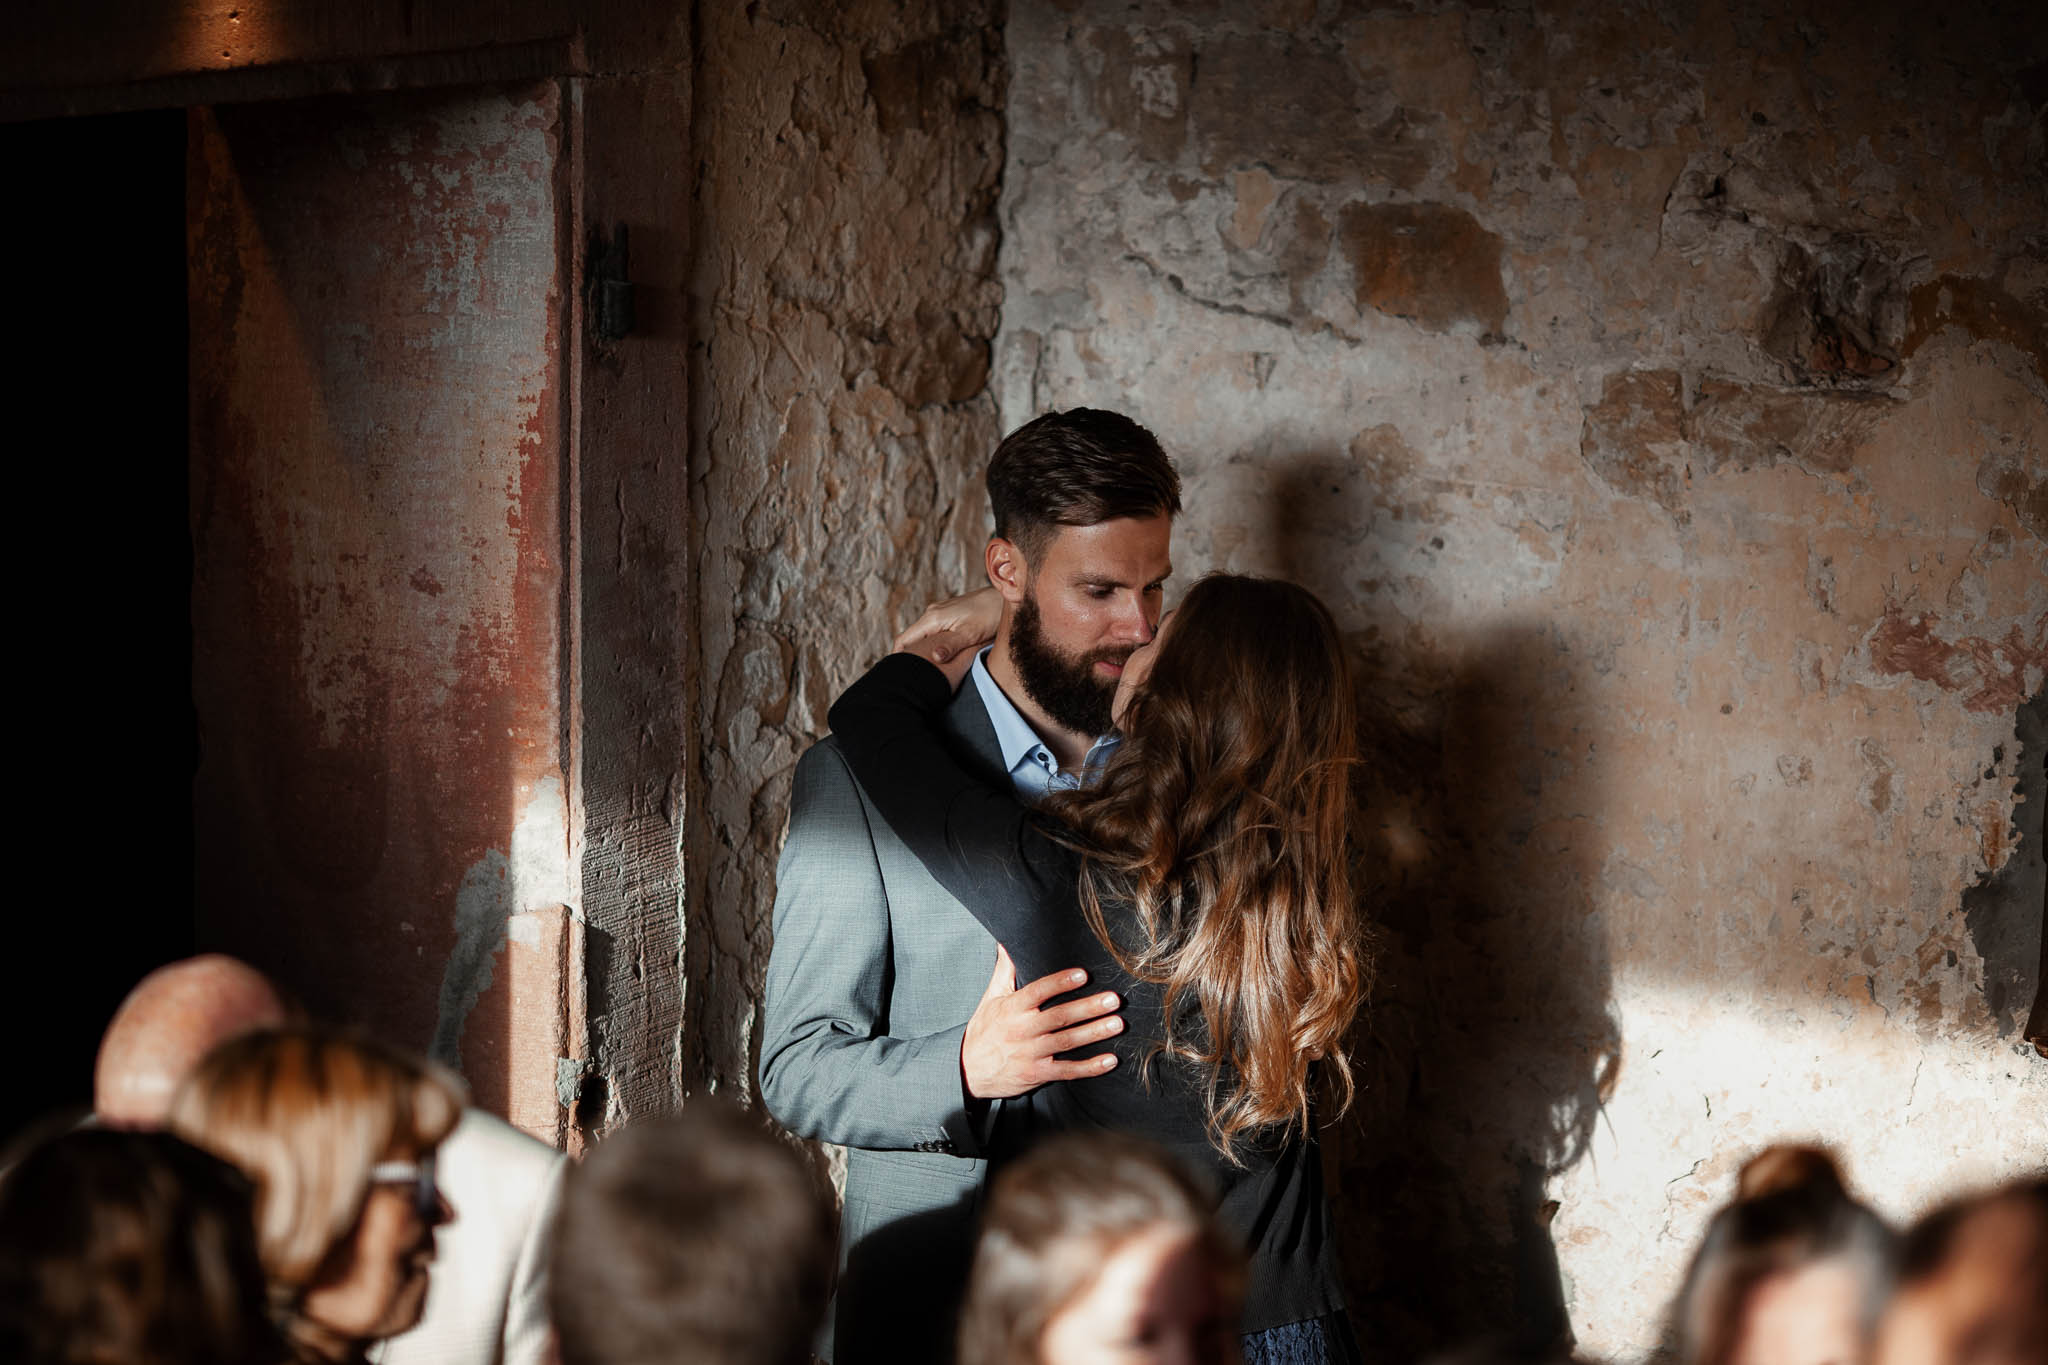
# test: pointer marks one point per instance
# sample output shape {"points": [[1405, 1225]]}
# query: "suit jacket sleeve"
{"points": [[528, 1334], [829, 1070]]}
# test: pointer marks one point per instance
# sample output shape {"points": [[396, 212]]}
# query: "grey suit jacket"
{"points": [[873, 974]]}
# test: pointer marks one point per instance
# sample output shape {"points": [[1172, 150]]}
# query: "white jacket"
{"points": [[487, 1299]]}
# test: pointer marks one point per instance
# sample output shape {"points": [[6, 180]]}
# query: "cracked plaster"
{"points": [[1656, 397]]}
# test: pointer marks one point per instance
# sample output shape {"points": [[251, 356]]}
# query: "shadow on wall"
{"points": [[2007, 912], [1490, 1039]]}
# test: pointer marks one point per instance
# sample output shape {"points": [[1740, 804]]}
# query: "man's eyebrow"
{"points": [[1104, 581]]}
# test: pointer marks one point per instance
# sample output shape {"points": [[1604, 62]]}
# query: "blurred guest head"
{"points": [[1973, 1283], [1792, 1273], [131, 1247], [338, 1135], [1099, 1250], [696, 1237], [174, 1016]]}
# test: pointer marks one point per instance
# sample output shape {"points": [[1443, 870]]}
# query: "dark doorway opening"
{"points": [[105, 742]]}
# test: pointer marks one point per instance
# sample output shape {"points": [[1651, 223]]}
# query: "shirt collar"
{"points": [[1014, 735]]}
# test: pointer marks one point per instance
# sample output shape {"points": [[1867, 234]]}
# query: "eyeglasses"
{"points": [[426, 1195]]}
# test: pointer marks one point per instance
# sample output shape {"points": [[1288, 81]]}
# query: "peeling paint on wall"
{"points": [[483, 907], [1654, 394], [494, 907]]}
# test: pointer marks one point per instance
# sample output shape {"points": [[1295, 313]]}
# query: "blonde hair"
{"points": [[306, 1113]]}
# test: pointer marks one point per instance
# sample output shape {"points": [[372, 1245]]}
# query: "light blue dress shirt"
{"points": [[1033, 769]]}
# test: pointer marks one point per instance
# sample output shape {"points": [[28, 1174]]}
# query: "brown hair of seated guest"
{"points": [[306, 1112], [1791, 1211], [698, 1237], [1973, 1283], [132, 1247], [1055, 1217], [1219, 829]]}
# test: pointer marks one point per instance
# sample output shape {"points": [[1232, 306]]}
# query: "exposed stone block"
{"points": [[1748, 427], [1633, 438], [1841, 314], [1430, 263], [1142, 88]]}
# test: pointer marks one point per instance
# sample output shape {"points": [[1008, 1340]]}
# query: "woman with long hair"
{"points": [[337, 1134], [1203, 873]]}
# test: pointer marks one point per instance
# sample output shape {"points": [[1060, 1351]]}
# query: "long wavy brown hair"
{"points": [[1217, 837]]}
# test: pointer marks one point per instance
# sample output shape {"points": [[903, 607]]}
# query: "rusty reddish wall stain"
{"points": [[1991, 674], [377, 465]]}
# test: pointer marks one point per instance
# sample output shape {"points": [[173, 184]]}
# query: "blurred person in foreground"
{"points": [[1098, 1249], [698, 1237], [489, 1305], [173, 1017], [130, 1247], [1203, 875], [1973, 1283], [338, 1136], [1793, 1272]]}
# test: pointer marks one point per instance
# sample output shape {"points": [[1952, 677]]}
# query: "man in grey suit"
{"points": [[878, 1033]]}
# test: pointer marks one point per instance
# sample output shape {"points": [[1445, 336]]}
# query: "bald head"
{"points": [[173, 1017]]}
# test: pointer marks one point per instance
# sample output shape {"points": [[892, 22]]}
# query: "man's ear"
{"points": [[1008, 571]]}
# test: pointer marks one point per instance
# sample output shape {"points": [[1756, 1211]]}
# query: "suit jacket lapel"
{"points": [[974, 735]]}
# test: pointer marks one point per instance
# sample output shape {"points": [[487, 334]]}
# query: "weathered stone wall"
{"points": [[1658, 394], [846, 247]]}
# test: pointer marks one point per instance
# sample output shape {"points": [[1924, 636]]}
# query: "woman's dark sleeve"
{"points": [[980, 843]]}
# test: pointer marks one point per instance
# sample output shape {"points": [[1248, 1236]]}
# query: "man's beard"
{"points": [[1065, 686]]}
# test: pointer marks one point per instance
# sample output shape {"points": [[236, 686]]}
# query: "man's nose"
{"points": [[1136, 625]]}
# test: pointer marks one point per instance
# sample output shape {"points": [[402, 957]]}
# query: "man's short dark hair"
{"points": [[697, 1237], [1077, 468]]}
